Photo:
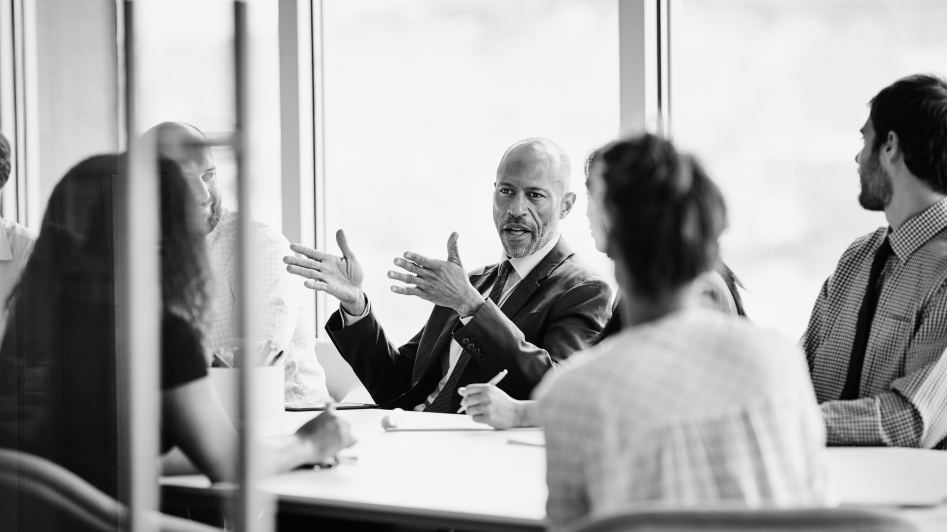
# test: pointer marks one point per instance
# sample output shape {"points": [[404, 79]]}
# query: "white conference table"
{"points": [[450, 471]]}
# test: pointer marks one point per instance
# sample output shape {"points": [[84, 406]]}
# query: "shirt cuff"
{"points": [[466, 320], [348, 319]]}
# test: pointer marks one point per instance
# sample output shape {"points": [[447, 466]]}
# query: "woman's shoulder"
{"points": [[182, 354]]}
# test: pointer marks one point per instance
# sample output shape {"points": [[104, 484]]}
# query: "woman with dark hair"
{"points": [[718, 289], [685, 406], [59, 358]]}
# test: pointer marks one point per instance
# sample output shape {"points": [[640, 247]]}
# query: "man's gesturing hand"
{"points": [[443, 283], [340, 277]]}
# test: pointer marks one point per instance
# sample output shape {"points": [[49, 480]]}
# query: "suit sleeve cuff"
{"points": [[348, 319]]}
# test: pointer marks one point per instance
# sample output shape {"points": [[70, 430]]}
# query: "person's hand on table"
{"points": [[441, 282], [340, 277], [326, 435], [486, 403]]}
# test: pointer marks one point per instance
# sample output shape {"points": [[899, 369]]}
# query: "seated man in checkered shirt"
{"points": [[287, 323], [876, 339]]}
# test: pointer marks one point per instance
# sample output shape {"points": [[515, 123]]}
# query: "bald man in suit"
{"points": [[524, 315]]}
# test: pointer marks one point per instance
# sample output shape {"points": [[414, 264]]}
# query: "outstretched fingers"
{"points": [[343, 243], [307, 273], [309, 252], [408, 265], [407, 290], [420, 259], [303, 263], [318, 286], [405, 278]]}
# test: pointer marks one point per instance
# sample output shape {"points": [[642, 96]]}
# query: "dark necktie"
{"points": [[863, 327], [442, 402]]}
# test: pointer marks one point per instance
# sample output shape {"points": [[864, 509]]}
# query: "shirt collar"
{"points": [[524, 265], [918, 230], [6, 252]]}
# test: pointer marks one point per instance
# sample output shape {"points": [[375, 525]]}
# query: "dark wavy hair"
{"points": [[665, 214], [915, 108], [78, 235], [4, 160]]}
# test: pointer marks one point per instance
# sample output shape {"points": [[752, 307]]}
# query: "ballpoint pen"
{"points": [[494, 381]]}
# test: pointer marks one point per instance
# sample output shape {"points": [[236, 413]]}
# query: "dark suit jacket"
{"points": [[550, 315]]}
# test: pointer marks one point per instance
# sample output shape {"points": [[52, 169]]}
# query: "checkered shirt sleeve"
{"points": [[285, 319], [903, 392], [698, 408]]}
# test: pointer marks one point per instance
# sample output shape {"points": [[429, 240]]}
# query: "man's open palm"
{"points": [[340, 277], [442, 282]]}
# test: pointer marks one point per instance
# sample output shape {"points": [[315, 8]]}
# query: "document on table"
{"points": [[431, 422]]}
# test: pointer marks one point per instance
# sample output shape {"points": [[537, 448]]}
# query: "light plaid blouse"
{"points": [[287, 321], [692, 409], [903, 394]]}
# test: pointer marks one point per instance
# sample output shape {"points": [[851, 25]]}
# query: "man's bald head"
{"points": [[178, 141], [187, 146], [531, 195], [540, 155]]}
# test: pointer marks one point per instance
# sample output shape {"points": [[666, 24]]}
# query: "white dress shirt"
{"points": [[16, 244], [286, 321], [521, 268], [694, 408]]}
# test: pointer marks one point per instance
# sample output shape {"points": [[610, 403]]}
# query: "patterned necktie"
{"points": [[863, 326], [442, 402]]}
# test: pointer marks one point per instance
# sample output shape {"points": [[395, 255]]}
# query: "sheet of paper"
{"points": [[430, 422]]}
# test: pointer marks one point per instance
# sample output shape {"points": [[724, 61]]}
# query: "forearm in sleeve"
{"points": [[885, 419]]}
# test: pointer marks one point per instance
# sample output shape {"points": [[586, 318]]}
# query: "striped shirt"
{"points": [[286, 320], [903, 394], [694, 408]]}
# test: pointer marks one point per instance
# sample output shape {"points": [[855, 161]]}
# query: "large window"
{"points": [[423, 98], [187, 70], [771, 95]]}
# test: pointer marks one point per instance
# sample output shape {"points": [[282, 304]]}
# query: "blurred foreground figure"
{"points": [[286, 324], [58, 362], [16, 242], [686, 406], [877, 335]]}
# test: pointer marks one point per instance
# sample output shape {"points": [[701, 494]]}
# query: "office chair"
{"points": [[810, 520], [38, 479], [341, 380]]}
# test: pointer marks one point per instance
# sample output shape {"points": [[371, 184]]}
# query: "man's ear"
{"points": [[566, 207], [891, 151]]}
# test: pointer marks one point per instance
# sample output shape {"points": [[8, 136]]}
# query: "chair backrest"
{"points": [[340, 379], [32, 477], [810, 520]]}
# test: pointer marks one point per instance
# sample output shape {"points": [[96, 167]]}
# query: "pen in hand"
{"points": [[494, 381]]}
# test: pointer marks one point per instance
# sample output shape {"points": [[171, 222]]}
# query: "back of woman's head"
{"points": [[78, 237], [664, 214]]}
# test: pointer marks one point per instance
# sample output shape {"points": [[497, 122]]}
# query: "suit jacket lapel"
{"points": [[527, 286]]}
